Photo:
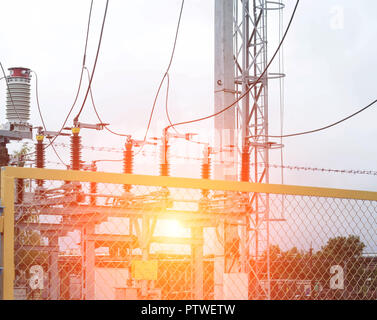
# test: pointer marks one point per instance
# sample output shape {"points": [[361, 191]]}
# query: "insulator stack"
{"points": [[206, 168], [128, 162], [245, 166], [93, 187], [18, 95], [164, 165], [40, 156], [75, 149], [164, 169], [76, 158]]}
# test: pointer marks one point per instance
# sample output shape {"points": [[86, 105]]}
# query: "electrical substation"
{"points": [[84, 234]]}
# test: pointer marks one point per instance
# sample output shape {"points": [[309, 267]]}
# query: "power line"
{"points": [[166, 72], [96, 111], [80, 81], [87, 34], [95, 63], [326, 127], [166, 75], [166, 102], [82, 70], [107, 160], [252, 86], [40, 115]]}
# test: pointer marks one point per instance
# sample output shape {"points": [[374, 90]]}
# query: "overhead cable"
{"points": [[253, 85], [95, 62]]}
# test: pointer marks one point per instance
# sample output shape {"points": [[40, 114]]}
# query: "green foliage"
{"points": [[25, 149], [343, 248], [300, 265]]}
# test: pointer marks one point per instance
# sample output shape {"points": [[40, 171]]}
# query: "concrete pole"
{"points": [[224, 90], [225, 133]]}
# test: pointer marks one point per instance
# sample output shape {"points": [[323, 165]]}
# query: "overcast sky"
{"points": [[330, 62]]}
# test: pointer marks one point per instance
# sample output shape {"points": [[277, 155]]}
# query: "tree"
{"points": [[343, 248], [345, 252], [291, 264]]}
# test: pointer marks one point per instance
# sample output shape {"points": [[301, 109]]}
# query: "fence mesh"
{"points": [[80, 240]]}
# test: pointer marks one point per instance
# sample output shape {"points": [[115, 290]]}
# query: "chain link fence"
{"points": [[84, 235]]}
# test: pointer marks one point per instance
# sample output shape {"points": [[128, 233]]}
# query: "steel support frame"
{"points": [[250, 55], [240, 60]]}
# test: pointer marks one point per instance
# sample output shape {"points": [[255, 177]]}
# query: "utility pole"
{"points": [[225, 130]]}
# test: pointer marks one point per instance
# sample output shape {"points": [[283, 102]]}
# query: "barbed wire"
{"points": [[214, 161], [326, 170], [92, 148]]}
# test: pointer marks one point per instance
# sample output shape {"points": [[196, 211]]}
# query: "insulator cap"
{"points": [[75, 130]]}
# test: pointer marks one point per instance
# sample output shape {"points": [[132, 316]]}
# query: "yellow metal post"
{"points": [[7, 200]]}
